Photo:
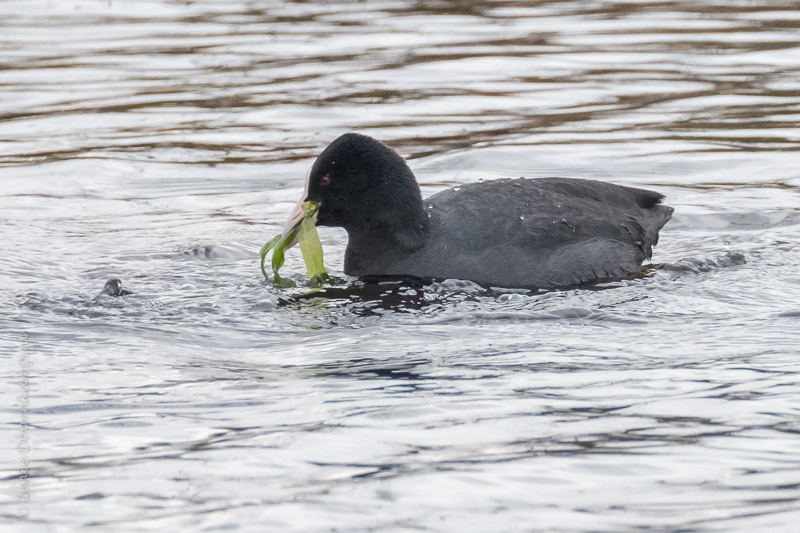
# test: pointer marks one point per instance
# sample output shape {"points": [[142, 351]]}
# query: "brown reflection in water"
{"points": [[251, 59], [776, 184]]}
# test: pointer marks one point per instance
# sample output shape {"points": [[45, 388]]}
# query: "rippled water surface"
{"points": [[163, 142]]}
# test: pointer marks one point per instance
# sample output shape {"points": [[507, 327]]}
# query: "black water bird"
{"points": [[536, 233], [113, 287]]}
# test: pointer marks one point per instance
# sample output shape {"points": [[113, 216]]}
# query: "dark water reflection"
{"points": [[163, 142]]}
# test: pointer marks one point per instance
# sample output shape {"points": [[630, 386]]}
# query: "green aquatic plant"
{"points": [[304, 233]]}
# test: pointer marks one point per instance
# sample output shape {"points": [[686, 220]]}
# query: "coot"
{"points": [[537, 233], [113, 287]]}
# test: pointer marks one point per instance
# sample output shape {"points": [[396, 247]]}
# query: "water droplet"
{"points": [[430, 206], [480, 179], [456, 188], [522, 217]]}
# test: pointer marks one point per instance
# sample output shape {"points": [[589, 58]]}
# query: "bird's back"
{"points": [[548, 232]]}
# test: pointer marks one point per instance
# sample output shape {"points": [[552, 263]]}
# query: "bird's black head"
{"points": [[113, 287], [363, 185]]}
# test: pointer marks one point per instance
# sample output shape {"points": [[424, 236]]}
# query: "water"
{"points": [[164, 142]]}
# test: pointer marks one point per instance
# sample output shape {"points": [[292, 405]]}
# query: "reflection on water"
{"points": [[162, 142], [220, 82]]}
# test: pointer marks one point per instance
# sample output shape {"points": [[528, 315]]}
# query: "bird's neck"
{"points": [[374, 250]]}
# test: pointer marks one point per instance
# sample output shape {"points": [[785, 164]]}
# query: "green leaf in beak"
{"points": [[310, 245], [264, 250], [307, 237]]}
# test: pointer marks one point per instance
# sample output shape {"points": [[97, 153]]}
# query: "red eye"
{"points": [[325, 180]]}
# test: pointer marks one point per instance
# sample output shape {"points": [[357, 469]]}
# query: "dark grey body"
{"points": [[545, 233]]}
